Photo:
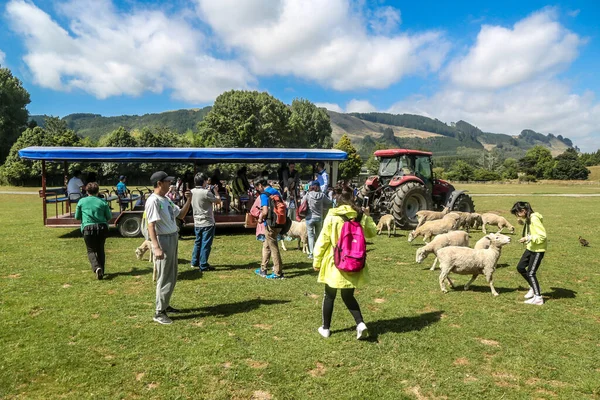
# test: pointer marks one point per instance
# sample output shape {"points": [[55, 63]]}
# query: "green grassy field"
{"points": [[66, 335]]}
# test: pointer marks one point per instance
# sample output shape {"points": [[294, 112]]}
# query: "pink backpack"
{"points": [[350, 252]]}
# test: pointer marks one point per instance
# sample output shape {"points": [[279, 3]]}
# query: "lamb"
{"points": [[432, 228], [454, 238], [140, 251], [388, 221], [497, 220], [463, 219], [428, 215], [297, 231], [466, 261]]}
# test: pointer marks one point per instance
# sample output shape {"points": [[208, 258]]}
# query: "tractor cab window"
{"points": [[423, 170], [388, 166]]}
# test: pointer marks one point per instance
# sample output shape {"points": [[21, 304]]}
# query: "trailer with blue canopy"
{"points": [[129, 221]]}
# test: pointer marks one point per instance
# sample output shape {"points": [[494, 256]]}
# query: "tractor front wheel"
{"points": [[464, 203], [408, 199]]}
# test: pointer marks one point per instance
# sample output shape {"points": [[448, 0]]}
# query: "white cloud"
{"points": [[360, 106], [2, 57], [330, 106], [385, 20], [109, 53], [502, 57], [544, 106], [322, 40]]}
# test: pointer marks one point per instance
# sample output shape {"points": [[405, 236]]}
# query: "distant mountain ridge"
{"points": [[366, 130], [95, 125]]}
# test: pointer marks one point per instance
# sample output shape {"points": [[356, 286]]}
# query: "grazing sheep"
{"points": [[432, 228], [463, 219], [388, 221], [140, 251], [475, 220], [454, 238], [497, 220], [428, 215], [297, 231], [466, 261]]}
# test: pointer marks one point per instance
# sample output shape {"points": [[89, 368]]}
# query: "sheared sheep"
{"points": [[497, 220], [432, 228], [140, 251], [454, 238], [466, 261], [428, 215], [463, 219], [297, 231], [388, 221]]}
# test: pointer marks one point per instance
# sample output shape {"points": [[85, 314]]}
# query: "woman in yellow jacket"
{"points": [[534, 235], [332, 277]]}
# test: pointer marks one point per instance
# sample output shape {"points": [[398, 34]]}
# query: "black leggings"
{"points": [[94, 237], [349, 301], [528, 266]]}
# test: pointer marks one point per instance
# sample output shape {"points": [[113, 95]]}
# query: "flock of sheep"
{"points": [[451, 245]]}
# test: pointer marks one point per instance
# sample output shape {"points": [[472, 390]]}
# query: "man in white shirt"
{"points": [[203, 199], [162, 230], [75, 186]]}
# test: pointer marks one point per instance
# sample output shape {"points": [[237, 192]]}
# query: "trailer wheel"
{"points": [[130, 226]]}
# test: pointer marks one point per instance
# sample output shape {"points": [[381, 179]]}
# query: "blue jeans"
{"points": [[313, 228], [202, 245]]}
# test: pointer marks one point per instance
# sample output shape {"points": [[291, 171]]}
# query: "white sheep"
{"points": [[428, 215], [387, 221], [432, 228], [484, 242], [297, 231], [454, 238], [462, 221], [497, 220], [466, 261]]}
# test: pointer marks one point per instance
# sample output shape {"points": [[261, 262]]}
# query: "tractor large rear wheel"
{"points": [[464, 203], [407, 201]]}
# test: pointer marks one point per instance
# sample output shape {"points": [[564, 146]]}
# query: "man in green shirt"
{"points": [[94, 214]]}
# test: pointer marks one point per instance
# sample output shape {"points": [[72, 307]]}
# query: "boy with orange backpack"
{"points": [[274, 216]]}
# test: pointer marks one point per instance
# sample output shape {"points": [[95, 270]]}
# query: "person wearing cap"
{"points": [[162, 231], [122, 192], [317, 205]]}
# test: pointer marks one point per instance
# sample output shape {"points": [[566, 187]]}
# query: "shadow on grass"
{"points": [[399, 325], [561, 293], [225, 310], [484, 289], [502, 265], [133, 272]]}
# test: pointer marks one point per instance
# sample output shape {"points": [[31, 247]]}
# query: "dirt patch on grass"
{"points": [[469, 379], [261, 395], [263, 326], [546, 392], [319, 370], [416, 391], [489, 342], [66, 286], [12, 276], [153, 385], [461, 361], [257, 364], [379, 301], [139, 376]]}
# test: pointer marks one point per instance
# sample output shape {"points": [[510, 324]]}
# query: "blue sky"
{"points": [[502, 66]]}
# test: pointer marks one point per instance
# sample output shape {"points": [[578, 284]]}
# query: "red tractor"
{"points": [[406, 185]]}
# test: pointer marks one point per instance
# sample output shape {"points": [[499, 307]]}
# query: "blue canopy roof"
{"points": [[150, 154]]}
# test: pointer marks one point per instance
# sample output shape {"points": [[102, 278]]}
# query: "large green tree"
{"points": [[568, 166], [351, 167], [245, 119], [461, 171], [537, 162], [310, 126], [13, 114]]}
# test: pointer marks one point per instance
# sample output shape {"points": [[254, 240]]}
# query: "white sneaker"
{"points": [[529, 294], [361, 331], [535, 300], [324, 332]]}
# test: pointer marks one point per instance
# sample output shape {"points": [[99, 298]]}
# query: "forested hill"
{"points": [[370, 130], [96, 126], [366, 130]]}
